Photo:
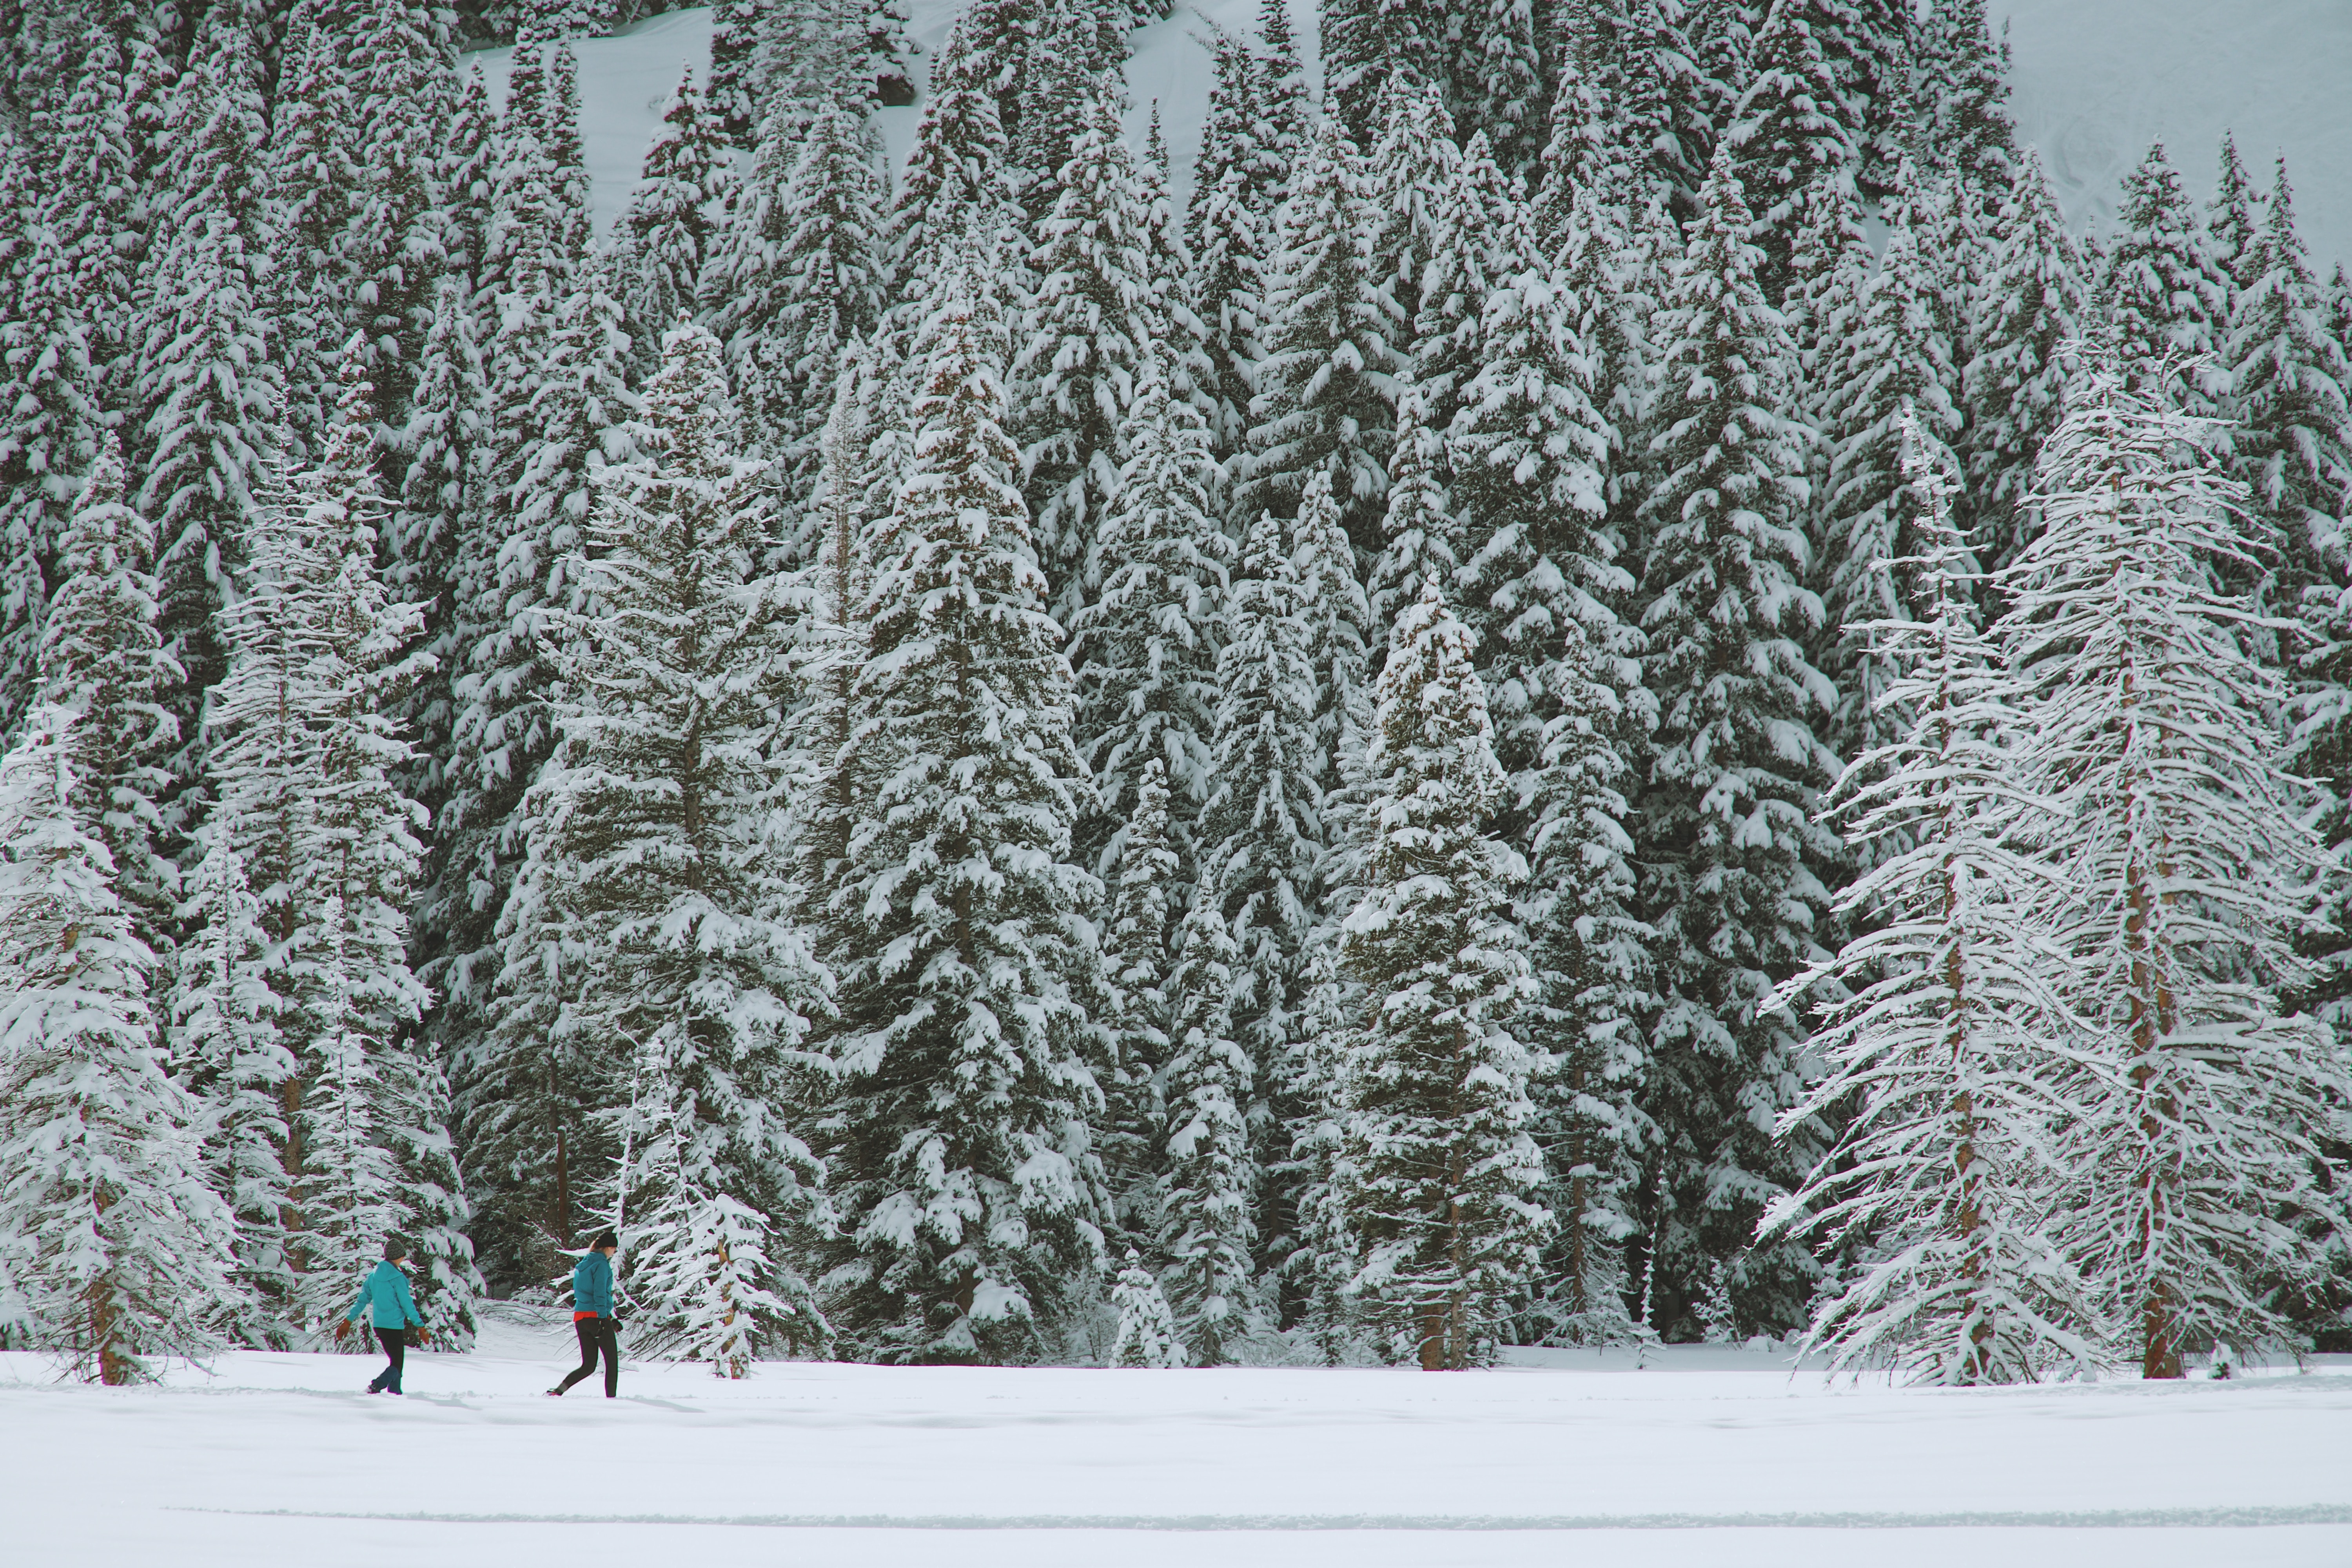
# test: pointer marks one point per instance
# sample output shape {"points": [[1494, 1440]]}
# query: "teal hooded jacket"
{"points": [[592, 1285], [387, 1288]]}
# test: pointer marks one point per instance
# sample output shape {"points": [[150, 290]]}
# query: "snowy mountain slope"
{"points": [[2096, 81], [623, 82]]}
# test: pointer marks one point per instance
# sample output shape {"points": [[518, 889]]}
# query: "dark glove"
{"points": [[417, 1336], [342, 1330]]}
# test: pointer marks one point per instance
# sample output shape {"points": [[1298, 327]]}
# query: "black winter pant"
{"points": [[595, 1334], [395, 1347]]}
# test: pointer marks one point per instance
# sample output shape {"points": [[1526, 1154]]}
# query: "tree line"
{"points": [[1504, 728]]}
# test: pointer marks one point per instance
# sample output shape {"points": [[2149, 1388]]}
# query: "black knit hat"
{"points": [[605, 1240], [395, 1250]]}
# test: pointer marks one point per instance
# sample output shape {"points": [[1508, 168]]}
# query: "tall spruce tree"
{"points": [[799, 277], [54, 413], [1876, 74], [2236, 213], [1238, 182], [1616, 267], [734, 41], [1367, 45], [1663, 105], [1421, 535], [1206, 1201], [2161, 288], [441, 491], [1147, 645], [90, 139], [1581, 143], [962, 1161], [209, 378], [1138, 960], [1436, 1172], [1545, 590], [1951, 1043], [654, 849], [1592, 969], [1261, 839], [1726, 840], [114, 1245], [664, 238], [1793, 130], [2292, 447], [956, 180], [2292, 396], [1959, 113], [1500, 81], [1421, 212], [811, 57], [2180, 867], [1892, 373], [103, 660], [1438, 270]]}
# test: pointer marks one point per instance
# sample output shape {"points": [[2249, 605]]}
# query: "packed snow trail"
{"points": [[2094, 82], [1707, 1457]]}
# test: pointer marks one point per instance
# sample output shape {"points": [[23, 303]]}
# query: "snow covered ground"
{"points": [[2096, 81], [1701, 1457]]}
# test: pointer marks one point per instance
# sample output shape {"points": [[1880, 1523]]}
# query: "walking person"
{"points": [[393, 1311], [593, 1320]]}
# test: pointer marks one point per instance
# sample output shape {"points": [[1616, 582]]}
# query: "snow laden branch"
{"points": [[1949, 1045]]}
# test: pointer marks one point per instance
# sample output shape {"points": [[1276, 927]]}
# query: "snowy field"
{"points": [[2096, 81], [1702, 1458]]}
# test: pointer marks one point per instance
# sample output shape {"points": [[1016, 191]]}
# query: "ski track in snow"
{"points": [[1706, 1456], [2096, 81]]}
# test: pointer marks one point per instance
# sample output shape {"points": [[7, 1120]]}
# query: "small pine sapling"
{"points": [[1146, 1329]]}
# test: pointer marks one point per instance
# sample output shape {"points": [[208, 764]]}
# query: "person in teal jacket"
{"points": [[593, 1320], [394, 1312]]}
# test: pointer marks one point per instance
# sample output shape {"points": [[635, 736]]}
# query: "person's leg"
{"points": [[395, 1346], [610, 1339], [585, 1328]]}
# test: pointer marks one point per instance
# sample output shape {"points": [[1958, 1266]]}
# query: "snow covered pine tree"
{"points": [[1953, 1044], [2180, 867], [112, 1244], [1436, 1172], [654, 849], [962, 1150]]}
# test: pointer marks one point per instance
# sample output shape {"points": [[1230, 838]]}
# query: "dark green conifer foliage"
{"points": [[1730, 851], [2161, 288], [2034, 303], [960, 1145], [1318, 408], [1793, 131]]}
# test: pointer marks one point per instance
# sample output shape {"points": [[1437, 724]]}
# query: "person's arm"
{"points": [[367, 1289], [407, 1302]]}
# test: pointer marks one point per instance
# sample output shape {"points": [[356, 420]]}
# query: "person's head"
{"points": [[395, 1250], [608, 1244]]}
